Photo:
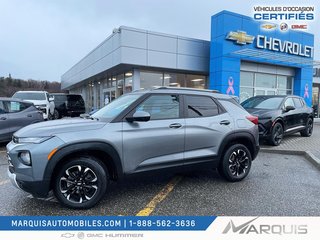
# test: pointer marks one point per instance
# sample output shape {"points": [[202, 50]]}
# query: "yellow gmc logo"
{"points": [[240, 37]]}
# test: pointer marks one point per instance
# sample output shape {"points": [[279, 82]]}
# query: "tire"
{"points": [[307, 132], [236, 163], [56, 114], [81, 182], [50, 116], [276, 134]]}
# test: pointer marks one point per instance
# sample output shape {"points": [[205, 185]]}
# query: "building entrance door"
{"points": [[109, 95]]}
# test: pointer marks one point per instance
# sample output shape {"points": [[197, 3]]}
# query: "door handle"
{"points": [[29, 115], [175, 125], [225, 122], [3, 118]]}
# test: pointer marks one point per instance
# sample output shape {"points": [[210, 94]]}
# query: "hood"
{"points": [[261, 113], [50, 128]]}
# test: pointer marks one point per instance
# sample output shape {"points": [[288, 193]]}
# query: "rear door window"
{"points": [[201, 106]]}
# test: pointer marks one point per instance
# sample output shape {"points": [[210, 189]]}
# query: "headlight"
{"points": [[25, 158], [30, 139]]}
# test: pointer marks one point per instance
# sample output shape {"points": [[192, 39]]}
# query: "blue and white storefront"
{"points": [[244, 58], [250, 58]]}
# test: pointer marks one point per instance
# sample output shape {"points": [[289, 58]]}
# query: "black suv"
{"points": [[68, 105], [280, 115]]}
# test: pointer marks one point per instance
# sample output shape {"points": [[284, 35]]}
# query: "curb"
{"points": [[315, 161]]}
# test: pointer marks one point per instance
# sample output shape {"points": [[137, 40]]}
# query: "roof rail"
{"points": [[185, 88]]}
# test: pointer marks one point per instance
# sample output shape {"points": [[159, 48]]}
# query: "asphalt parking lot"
{"points": [[277, 185]]}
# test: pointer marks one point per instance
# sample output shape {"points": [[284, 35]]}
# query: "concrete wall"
{"points": [[140, 47]]}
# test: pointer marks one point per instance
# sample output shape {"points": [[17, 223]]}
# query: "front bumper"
{"points": [[13, 179], [44, 111], [31, 179], [264, 128]]}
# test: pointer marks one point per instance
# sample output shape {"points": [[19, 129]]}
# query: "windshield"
{"points": [[114, 108], [262, 102], [29, 96]]}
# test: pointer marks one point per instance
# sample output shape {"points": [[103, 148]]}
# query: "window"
{"points": [[262, 102], [2, 109], [297, 103], [30, 95], [195, 81], [266, 80], [13, 106], [289, 102], [174, 80], [161, 106], [200, 106], [150, 79]]}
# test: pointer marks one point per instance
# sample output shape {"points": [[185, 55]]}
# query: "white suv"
{"points": [[41, 99]]}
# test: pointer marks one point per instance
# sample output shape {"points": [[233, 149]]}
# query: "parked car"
{"points": [[70, 105], [280, 115], [138, 132], [15, 114], [41, 99]]}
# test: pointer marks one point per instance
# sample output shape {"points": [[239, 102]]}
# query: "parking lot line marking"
{"points": [[159, 197], [4, 182]]}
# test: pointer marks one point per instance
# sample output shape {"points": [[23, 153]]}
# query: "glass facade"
{"points": [[100, 93], [253, 84], [153, 79]]}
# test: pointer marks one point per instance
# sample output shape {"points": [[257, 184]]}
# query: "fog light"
{"points": [[25, 158]]}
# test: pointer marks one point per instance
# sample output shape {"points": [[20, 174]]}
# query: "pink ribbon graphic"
{"points": [[230, 88], [306, 91]]}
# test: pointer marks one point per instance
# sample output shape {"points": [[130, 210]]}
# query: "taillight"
{"points": [[253, 119]]}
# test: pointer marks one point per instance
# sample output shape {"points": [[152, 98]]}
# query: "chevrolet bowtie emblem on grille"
{"points": [[240, 37]]}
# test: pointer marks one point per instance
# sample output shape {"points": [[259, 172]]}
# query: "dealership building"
{"points": [[243, 58]]}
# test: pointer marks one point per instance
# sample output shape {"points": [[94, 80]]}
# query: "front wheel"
{"points": [[236, 163], [307, 132], [276, 134], [81, 182]]}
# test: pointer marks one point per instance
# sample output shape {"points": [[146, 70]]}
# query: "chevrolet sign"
{"points": [[277, 45], [240, 37]]}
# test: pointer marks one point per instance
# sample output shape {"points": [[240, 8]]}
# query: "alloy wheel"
{"points": [[79, 184], [238, 162], [278, 134], [310, 127]]}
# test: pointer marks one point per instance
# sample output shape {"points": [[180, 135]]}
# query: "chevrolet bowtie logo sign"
{"points": [[240, 37]]}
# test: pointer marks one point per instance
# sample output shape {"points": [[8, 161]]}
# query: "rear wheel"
{"points": [[236, 163], [307, 132], [276, 134], [81, 182]]}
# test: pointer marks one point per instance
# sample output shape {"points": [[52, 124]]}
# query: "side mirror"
{"points": [[139, 116], [51, 98], [289, 108]]}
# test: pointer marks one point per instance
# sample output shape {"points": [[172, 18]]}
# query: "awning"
{"points": [[278, 57]]}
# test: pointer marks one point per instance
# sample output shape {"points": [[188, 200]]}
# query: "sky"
{"points": [[41, 40]]}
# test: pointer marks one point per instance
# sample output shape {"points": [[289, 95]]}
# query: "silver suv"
{"points": [[138, 132]]}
